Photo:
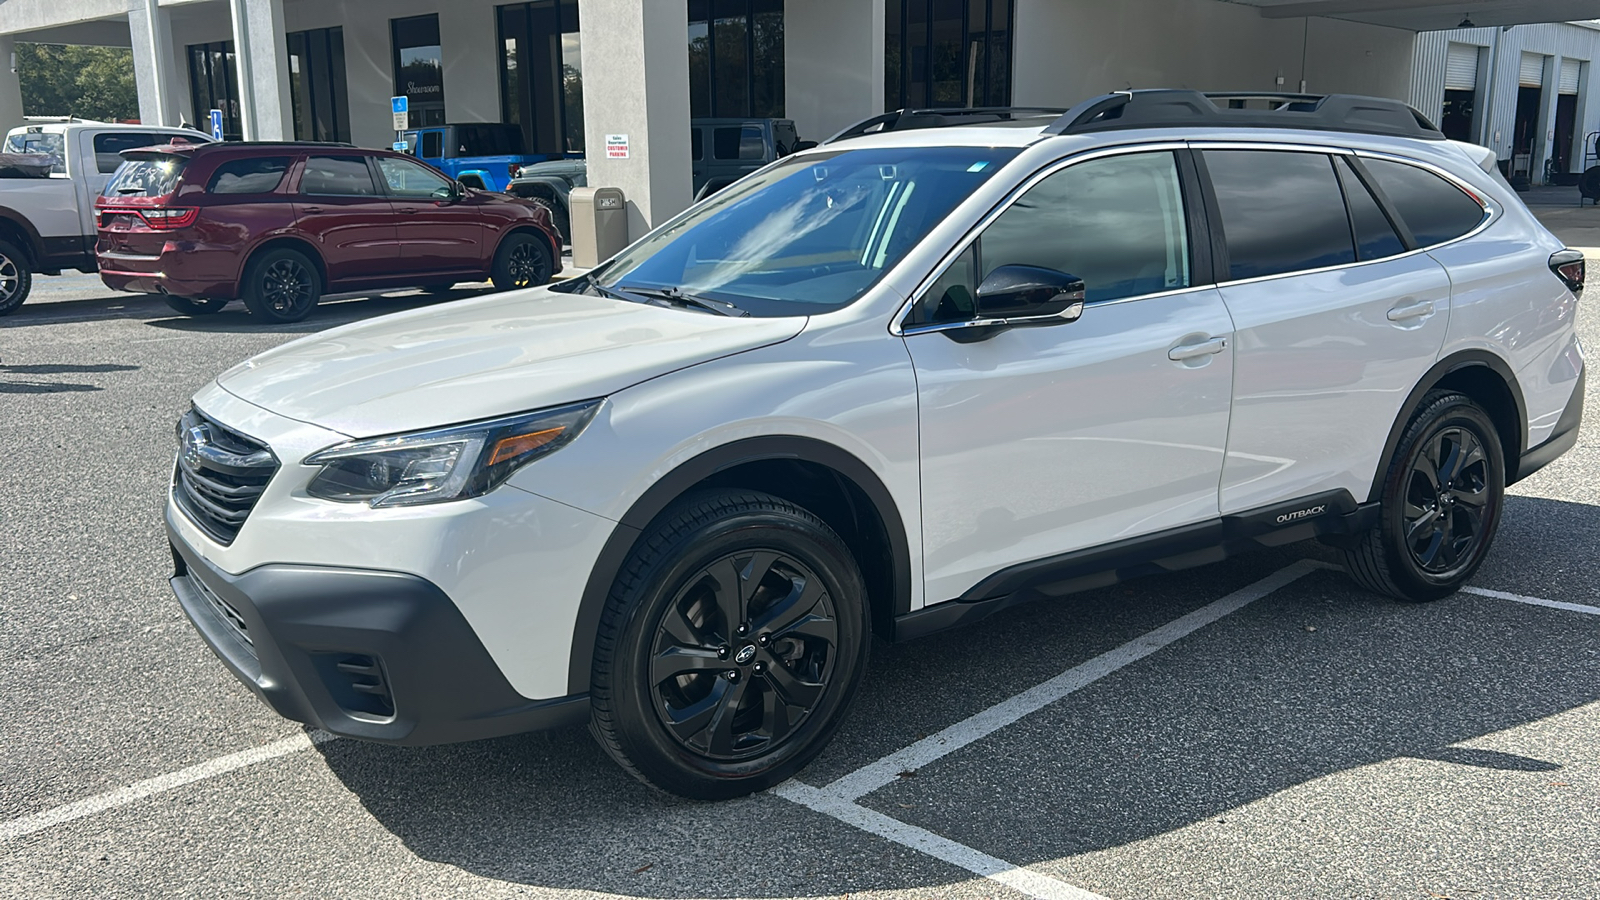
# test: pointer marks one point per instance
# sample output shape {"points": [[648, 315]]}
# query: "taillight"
{"points": [[514, 169], [1569, 267], [166, 218]]}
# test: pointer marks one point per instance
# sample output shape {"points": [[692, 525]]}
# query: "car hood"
{"points": [[486, 357]]}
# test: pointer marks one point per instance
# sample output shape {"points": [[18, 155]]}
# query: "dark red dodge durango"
{"points": [[278, 224]]}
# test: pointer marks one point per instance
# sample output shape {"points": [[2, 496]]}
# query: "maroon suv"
{"points": [[278, 224]]}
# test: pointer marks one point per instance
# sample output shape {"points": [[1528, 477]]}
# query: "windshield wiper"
{"points": [[674, 297]]}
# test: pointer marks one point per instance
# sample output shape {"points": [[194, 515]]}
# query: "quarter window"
{"points": [[1434, 209], [1375, 235], [248, 176], [338, 176], [1117, 223], [1281, 211]]}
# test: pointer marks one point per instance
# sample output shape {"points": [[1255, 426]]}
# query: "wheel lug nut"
{"points": [[764, 640], [733, 674], [760, 667], [722, 653], [744, 629]]}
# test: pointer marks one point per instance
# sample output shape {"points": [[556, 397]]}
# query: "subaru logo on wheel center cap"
{"points": [[746, 653]]}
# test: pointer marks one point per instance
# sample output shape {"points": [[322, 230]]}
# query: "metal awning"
{"points": [[1432, 15]]}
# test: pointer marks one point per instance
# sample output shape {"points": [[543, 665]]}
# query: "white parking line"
{"points": [[1534, 601], [16, 828], [838, 799], [1017, 878]]}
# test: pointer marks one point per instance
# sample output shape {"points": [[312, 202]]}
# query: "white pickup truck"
{"points": [[47, 217]]}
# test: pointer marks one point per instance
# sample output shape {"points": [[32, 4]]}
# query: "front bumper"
{"points": [[381, 656]]}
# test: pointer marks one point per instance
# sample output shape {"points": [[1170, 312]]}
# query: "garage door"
{"points": [[1570, 71], [1461, 68], [1532, 70]]}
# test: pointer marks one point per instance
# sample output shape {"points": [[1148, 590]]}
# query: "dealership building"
{"points": [[1511, 74]]}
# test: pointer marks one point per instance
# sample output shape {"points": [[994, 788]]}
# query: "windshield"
{"points": [[146, 177], [52, 144], [811, 234]]}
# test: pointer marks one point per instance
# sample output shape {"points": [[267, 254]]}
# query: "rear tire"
{"points": [[523, 261], [730, 646], [195, 306], [16, 278], [281, 286], [1441, 504]]}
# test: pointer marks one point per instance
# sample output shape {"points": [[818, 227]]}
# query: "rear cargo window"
{"points": [[248, 176], [1436, 210], [146, 177]]}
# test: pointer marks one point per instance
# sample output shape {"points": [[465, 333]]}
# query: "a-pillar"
{"points": [[10, 87], [833, 64], [263, 58], [150, 30], [636, 87]]}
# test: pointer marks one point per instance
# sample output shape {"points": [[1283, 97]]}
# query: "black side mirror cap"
{"points": [[1028, 292]]}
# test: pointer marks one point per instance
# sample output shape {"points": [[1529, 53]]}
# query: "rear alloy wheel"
{"points": [[195, 306], [16, 278], [1441, 502], [523, 261], [282, 286], [730, 647]]}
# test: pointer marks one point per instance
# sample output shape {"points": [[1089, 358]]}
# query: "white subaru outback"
{"points": [[944, 363]]}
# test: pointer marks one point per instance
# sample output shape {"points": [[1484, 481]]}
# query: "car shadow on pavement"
{"points": [[1317, 679], [332, 311]]}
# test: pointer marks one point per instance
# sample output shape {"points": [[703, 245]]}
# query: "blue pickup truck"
{"points": [[477, 154]]}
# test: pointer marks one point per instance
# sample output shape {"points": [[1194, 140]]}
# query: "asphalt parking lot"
{"points": [[1256, 728]]}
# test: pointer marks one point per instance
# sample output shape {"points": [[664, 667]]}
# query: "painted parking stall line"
{"points": [[89, 806], [1533, 601]]}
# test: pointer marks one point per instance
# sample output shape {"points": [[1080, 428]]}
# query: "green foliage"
{"points": [[87, 82]]}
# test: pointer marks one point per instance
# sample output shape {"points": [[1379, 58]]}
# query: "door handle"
{"points": [[1412, 311], [407, 210], [311, 210], [1184, 352]]}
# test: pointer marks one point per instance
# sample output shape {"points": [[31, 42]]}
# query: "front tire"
{"points": [[282, 286], [730, 647], [16, 278], [1441, 504], [195, 306], [523, 261]]}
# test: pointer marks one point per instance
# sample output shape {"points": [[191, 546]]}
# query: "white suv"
{"points": [[883, 387]]}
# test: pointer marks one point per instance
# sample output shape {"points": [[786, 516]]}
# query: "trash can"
{"points": [[599, 221]]}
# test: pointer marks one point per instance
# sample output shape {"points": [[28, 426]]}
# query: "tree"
{"points": [[71, 80]]}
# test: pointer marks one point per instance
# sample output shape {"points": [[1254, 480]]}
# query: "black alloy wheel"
{"points": [[742, 654], [282, 286], [195, 306], [730, 647], [522, 261], [16, 278], [1441, 504]]}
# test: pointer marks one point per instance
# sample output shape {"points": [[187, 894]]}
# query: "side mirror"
{"points": [[1019, 295], [802, 145]]}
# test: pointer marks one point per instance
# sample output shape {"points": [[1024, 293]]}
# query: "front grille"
{"points": [[221, 474]]}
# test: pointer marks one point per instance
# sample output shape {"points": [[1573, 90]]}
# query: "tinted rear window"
{"points": [[337, 176], [248, 176], [108, 146], [432, 145], [146, 177], [1281, 211], [1435, 209]]}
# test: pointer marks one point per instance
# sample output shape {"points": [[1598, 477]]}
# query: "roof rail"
{"points": [[1193, 109], [908, 119]]}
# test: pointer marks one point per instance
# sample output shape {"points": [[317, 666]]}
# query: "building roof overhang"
{"points": [[1432, 15]]}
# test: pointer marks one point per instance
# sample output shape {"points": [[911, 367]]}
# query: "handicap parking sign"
{"points": [[399, 104], [216, 124]]}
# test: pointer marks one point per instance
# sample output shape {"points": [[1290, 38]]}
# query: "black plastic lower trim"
{"points": [[1561, 439], [1330, 515], [381, 656]]}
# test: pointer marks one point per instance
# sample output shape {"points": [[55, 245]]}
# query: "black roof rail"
{"points": [[1193, 109], [908, 119]]}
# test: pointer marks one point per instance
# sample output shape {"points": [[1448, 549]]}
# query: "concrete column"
{"points": [[636, 83], [154, 68], [10, 87], [471, 68], [263, 56], [833, 64], [1544, 140]]}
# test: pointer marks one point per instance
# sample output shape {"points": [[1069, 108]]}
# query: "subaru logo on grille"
{"points": [[745, 654], [193, 439]]}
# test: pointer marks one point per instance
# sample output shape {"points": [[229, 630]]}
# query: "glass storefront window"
{"points": [[736, 58], [419, 68], [947, 53], [317, 88], [214, 84], [541, 74]]}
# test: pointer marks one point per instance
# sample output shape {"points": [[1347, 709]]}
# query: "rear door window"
{"points": [[1375, 235], [248, 176], [432, 145], [1435, 210], [338, 176], [108, 146], [1282, 211]]}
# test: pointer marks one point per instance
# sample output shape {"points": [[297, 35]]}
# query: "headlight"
{"points": [[444, 464]]}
